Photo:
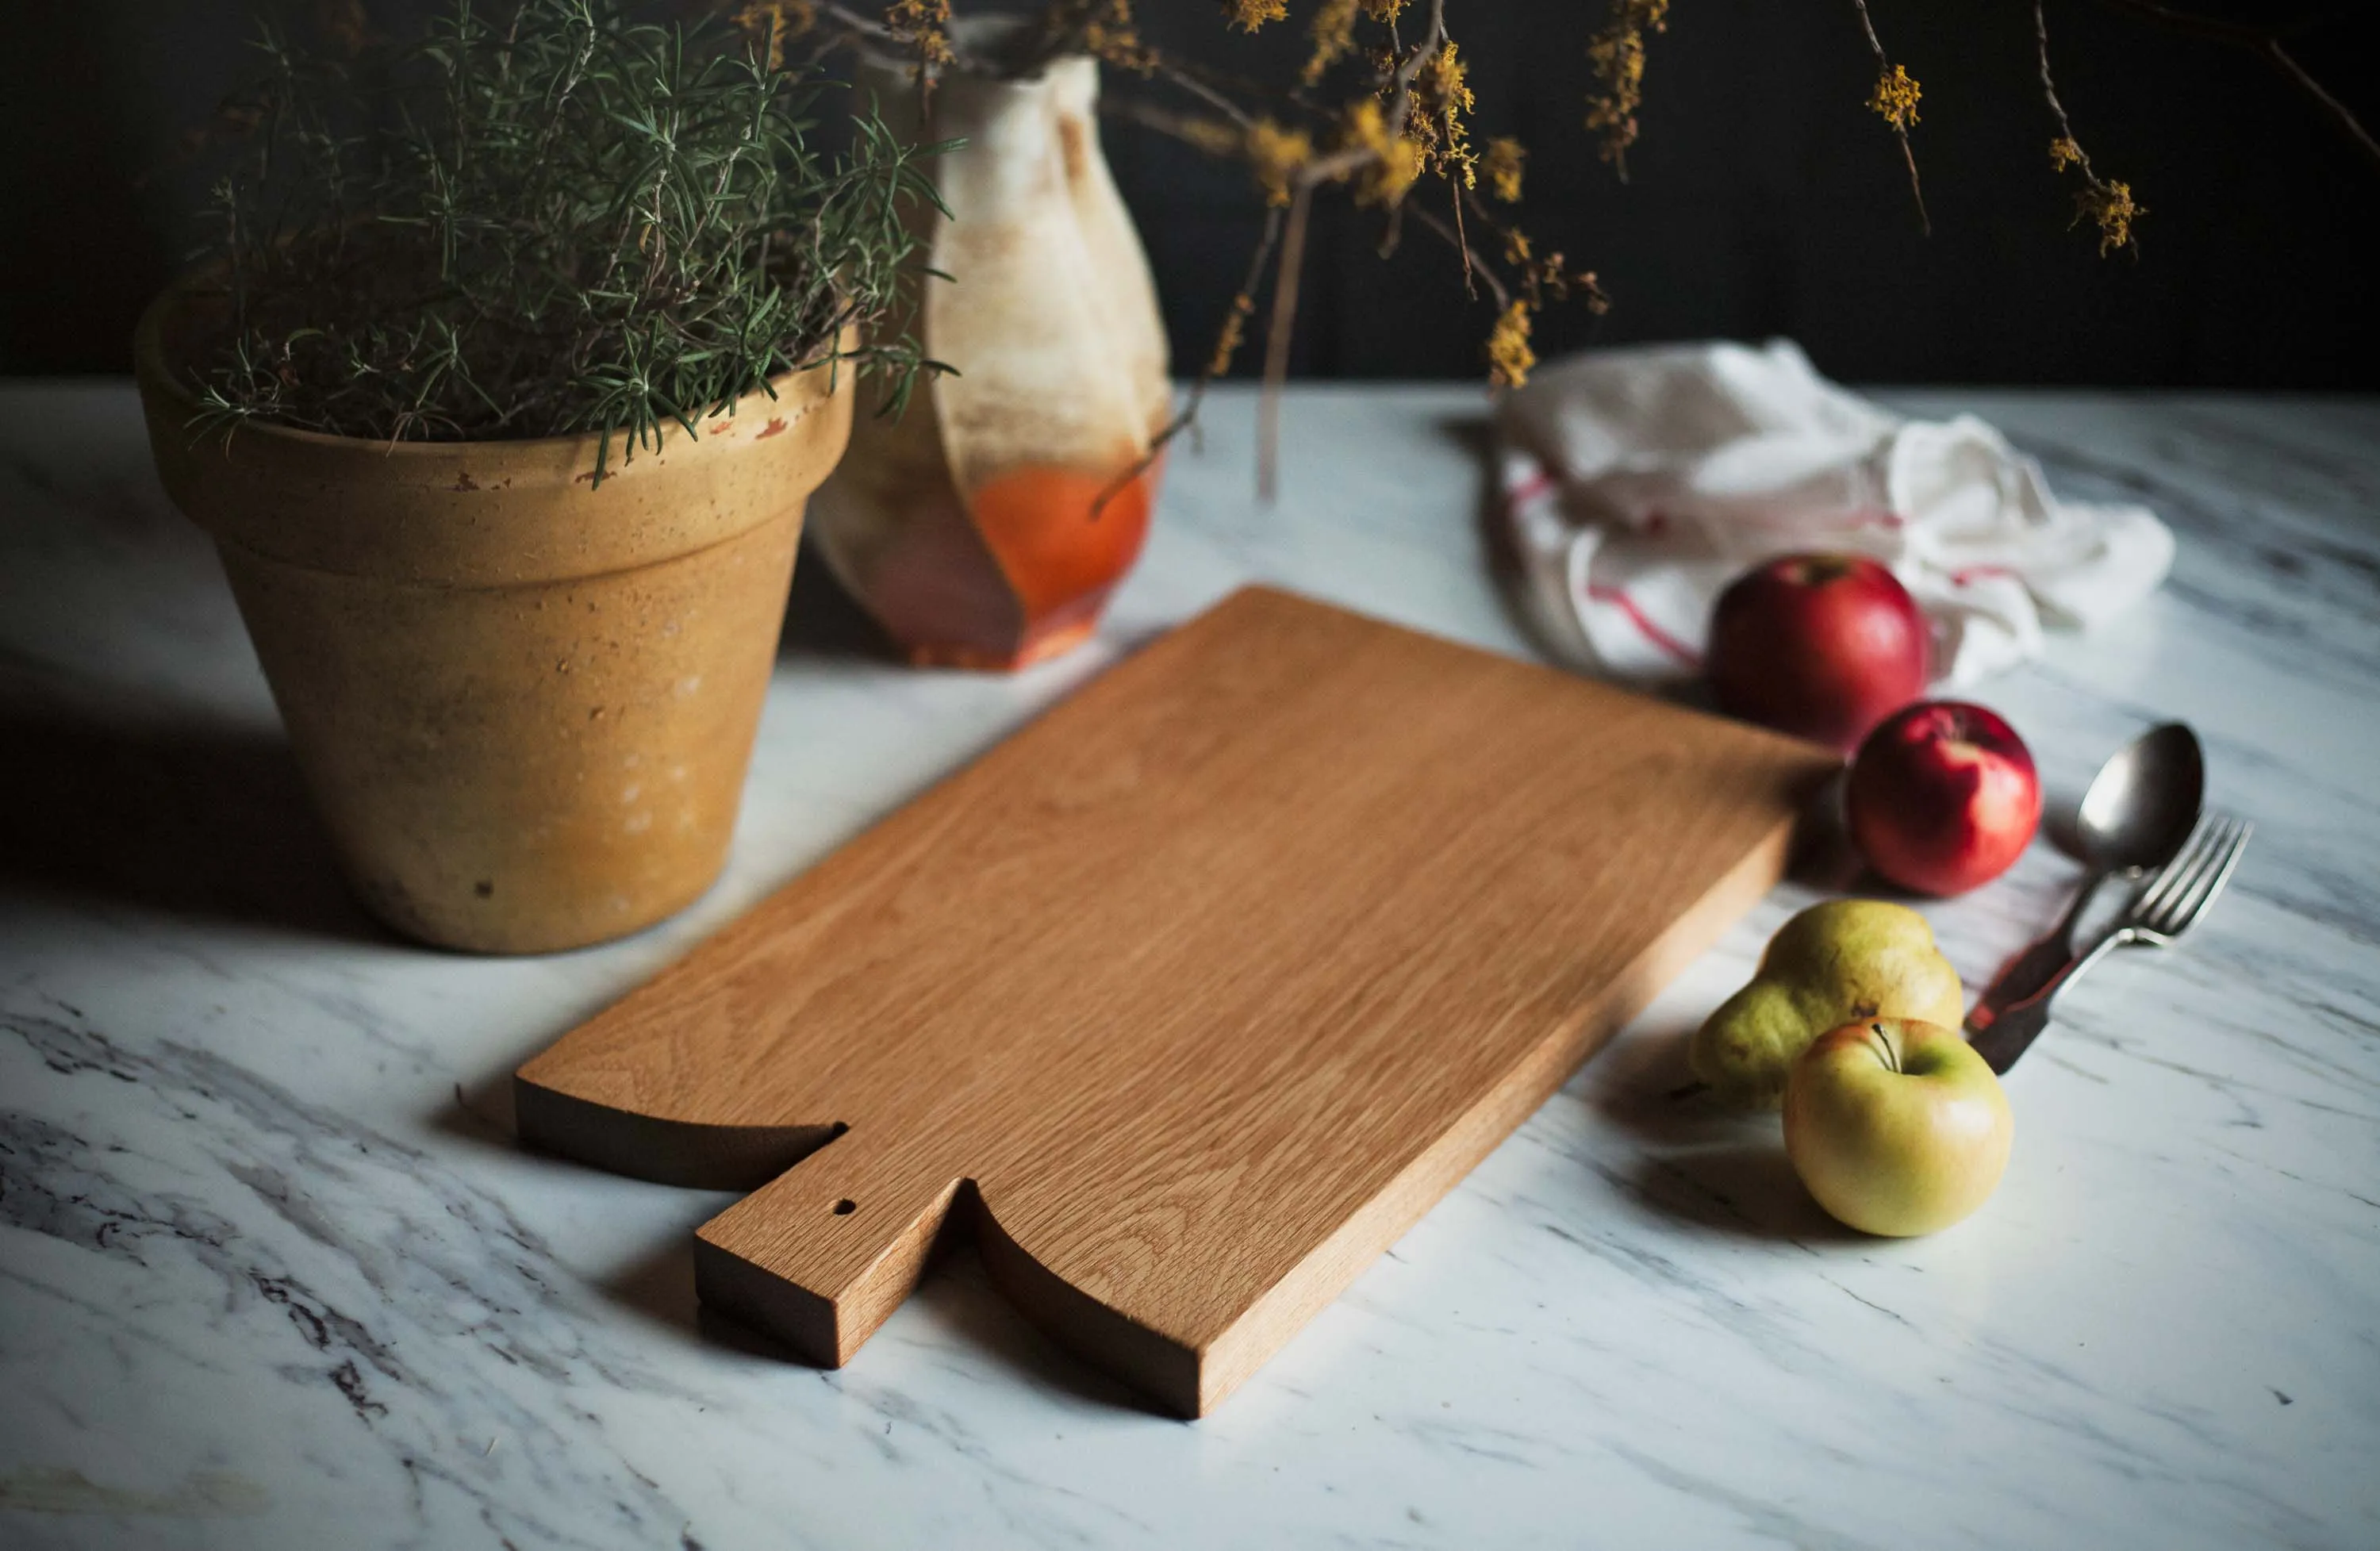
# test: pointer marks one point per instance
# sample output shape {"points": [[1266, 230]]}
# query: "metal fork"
{"points": [[2168, 903]]}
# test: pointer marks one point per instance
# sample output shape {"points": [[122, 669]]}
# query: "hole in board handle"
{"points": [[846, 1206]]}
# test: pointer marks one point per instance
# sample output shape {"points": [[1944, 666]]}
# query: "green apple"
{"points": [[1897, 1126]]}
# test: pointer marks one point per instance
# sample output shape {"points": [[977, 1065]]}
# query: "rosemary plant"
{"points": [[544, 217]]}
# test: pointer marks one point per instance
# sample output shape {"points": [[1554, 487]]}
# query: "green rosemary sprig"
{"points": [[547, 217]]}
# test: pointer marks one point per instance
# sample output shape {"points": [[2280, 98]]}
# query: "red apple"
{"points": [[1820, 646], [1897, 1126], [1943, 796]]}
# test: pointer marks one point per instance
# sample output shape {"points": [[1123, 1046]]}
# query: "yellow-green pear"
{"points": [[1832, 964]]}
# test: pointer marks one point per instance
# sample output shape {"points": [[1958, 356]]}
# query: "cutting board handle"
{"points": [[823, 1253]]}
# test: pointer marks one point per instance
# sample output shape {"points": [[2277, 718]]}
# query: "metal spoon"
{"points": [[2139, 810]]}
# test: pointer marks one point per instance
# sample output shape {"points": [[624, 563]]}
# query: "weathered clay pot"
{"points": [[967, 526], [523, 702]]}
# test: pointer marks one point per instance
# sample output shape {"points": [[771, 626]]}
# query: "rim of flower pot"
{"points": [[496, 511], [154, 371]]}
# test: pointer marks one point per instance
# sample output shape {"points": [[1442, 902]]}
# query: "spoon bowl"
{"points": [[2143, 803]]}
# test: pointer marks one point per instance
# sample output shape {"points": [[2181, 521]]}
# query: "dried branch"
{"points": [[1284, 318], [1474, 261], [2106, 203], [2049, 89], [853, 22], [1616, 55], [2268, 44], [1321, 170], [1184, 80], [1218, 360], [1896, 101]]}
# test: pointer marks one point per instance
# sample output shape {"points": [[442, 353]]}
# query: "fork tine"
{"points": [[2169, 881], [2206, 860], [2193, 902], [2174, 912]]}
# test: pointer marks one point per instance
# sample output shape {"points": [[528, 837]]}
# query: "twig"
{"points": [[1409, 68], [1462, 243], [1188, 415], [853, 22], [1884, 68], [1474, 260], [2050, 90], [2267, 44], [2108, 205], [1148, 115], [1284, 317], [1207, 94], [1226, 83], [1321, 170]]}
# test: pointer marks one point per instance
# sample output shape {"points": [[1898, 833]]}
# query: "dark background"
{"points": [[1763, 198]]}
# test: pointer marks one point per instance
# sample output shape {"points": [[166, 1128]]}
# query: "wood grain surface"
{"points": [[1188, 999]]}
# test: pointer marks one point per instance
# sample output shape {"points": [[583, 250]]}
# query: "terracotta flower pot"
{"points": [[966, 525], [523, 702]]}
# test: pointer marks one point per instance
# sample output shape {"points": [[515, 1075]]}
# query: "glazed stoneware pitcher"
{"points": [[972, 526]]}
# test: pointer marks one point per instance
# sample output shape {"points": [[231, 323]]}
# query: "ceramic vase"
{"points": [[972, 526]]}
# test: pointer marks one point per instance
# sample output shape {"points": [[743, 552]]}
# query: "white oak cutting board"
{"points": [[1188, 999]]}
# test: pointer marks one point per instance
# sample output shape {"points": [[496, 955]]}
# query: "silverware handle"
{"points": [[2017, 1025], [2029, 973]]}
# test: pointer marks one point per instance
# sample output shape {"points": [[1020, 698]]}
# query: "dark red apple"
{"points": [[1943, 796], [1820, 646]]}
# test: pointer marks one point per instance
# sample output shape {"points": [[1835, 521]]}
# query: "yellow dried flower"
{"points": [[1120, 47], [1516, 246], [1442, 95], [1397, 162], [1210, 135], [1548, 278], [1227, 343], [1333, 30], [923, 25], [1249, 14], [771, 22], [1277, 154], [2106, 204], [1110, 34], [1895, 99], [2110, 206], [1503, 164], [1444, 78], [1509, 355], [1383, 10], [1616, 55]]}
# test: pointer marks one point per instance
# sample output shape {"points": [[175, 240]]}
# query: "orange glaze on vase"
{"points": [[1058, 559]]}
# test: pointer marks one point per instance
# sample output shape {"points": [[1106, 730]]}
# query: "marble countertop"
{"points": [[274, 1274]]}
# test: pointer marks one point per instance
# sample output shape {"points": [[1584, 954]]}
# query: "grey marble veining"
{"points": [[274, 1274]]}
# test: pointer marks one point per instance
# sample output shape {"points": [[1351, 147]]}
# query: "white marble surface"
{"points": [[272, 1273]]}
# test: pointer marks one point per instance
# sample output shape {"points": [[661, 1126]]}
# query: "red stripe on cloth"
{"points": [[1536, 485], [1644, 626], [1967, 574]]}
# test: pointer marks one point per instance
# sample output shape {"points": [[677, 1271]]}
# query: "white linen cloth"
{"points": [[1637, 483]]}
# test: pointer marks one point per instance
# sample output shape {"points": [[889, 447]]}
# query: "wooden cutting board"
{"points": [[1188, 999]]}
